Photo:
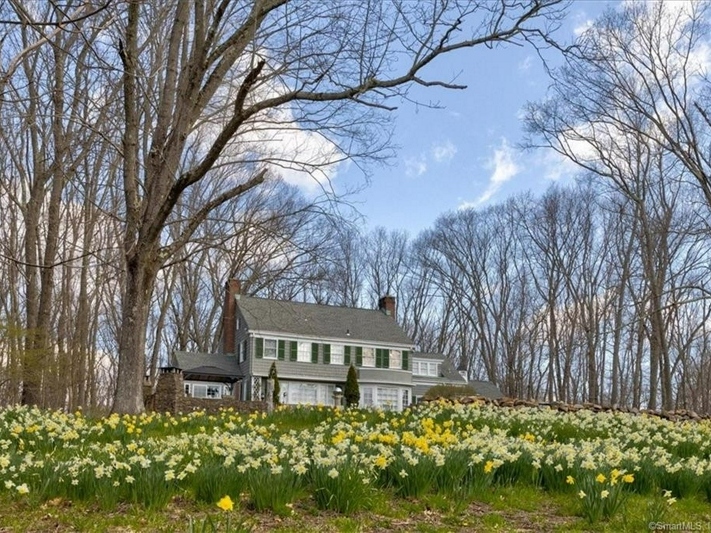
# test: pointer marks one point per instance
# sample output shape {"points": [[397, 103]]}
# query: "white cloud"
{"points": [[441, 152], [302, 158], [556, 167], [526, 64], [444, 151], [415, 166], [582, 27], [273, 139], [467, 205], [503, 168]]}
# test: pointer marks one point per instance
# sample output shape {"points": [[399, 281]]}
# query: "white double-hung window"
{"points": [[387, 398], [270, 348], [303, 353], [395, 359], [368, 356], [367, 398], [336, 354]]}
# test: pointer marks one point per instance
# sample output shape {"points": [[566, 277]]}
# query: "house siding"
{"points": [[301, 371], [317, 369], [241, 336], [384, 376]]}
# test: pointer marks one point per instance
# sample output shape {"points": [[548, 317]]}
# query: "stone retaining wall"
{"points": [[675, 416]]}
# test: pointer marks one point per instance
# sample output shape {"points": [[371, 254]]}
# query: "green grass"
{"points": [[498, 509]]}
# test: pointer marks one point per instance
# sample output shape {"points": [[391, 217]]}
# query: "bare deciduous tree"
{"points": [[323, 66]]}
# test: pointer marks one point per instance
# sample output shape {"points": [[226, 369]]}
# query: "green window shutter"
{"points": [[293, 351], [326, 354], [347, 355], [281, 350], [259, 347], [314, 352], [405, 360], [359, 356], [378, 358], [386, 358]]}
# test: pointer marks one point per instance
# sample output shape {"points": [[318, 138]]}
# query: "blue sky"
{"points": [[466, 154]]}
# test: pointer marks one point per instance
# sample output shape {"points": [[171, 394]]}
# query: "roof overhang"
{"points": [[210, 373]]}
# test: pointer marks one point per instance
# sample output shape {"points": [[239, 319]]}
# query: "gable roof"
{"points": [[321, 321], [450, 372], [486, 389]]}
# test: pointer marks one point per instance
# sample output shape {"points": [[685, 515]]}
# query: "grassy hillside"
{"points": [[437, 467]]}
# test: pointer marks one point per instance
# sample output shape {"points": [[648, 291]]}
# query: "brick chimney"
{"points": [[387, 305], [229, 316]]}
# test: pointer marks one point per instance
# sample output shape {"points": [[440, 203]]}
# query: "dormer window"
{"points": [[425, 368]]}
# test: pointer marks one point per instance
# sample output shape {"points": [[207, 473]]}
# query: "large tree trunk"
{"points": [[135, 306]]}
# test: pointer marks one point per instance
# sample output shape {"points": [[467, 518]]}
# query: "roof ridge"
{"points": [[314, 304]]}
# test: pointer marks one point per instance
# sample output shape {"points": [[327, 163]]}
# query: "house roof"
{"points": [[321, 321], [450, 372], [205, 364], [429, 356], [486, 389]]}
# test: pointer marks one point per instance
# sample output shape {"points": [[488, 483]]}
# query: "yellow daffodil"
{"points": [[381, 461], [225, 503]]}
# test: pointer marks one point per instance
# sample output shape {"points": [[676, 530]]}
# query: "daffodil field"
{"points": [[341, 459]]}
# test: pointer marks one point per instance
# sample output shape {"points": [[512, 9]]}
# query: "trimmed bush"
{"points": [[277, 389], [449, 392], [352, 392]]}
